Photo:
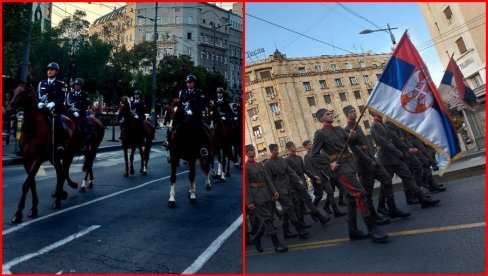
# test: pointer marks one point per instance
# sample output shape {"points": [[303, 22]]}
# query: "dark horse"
{"points": [[221, 143], [36, 146], [133, 137], [182, 145], [236, 134]]}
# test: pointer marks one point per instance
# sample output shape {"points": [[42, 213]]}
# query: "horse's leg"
{"points": [[90, 183], [83, 184], [126, 158], [227, 164], [65, 168], [31, 168], [132, 151], [205, 166], [60, 177], [191, 176], [172, 193], [142, 154]]}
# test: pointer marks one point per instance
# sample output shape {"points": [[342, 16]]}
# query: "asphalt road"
{"points": [[449, 238], [123, 225]]}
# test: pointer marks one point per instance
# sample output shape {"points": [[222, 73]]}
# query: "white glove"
{"points": [[41, 105], [76, 114], [223, 118], [50, 105], [136, 116], [189, 112]]}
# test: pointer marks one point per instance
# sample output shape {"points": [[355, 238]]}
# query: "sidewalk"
{"points": [[10, 157]]}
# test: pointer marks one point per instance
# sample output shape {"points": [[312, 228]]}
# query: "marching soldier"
{"points": [[296, 163], [320, 180], [260, 192], [368, 170], [332, 140], [78, 103], [51, 94], [282, 177], [392, 160]]}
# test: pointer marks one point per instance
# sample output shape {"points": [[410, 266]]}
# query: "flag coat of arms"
{"points": [[406, 95], [454, 89]]}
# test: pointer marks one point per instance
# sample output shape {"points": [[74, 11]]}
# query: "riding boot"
{"points": [[323, 219], [354, 232], [278, 246], [302, 234], [394, 211], [257, 239], [426, 202], [337, 212], [411, 199], [376, 234], [286, 231], [382, 206]]}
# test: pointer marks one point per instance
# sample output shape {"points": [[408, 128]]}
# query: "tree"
{"points": [[14, 31]]}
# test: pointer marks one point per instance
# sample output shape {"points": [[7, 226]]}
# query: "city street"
{"points": [[123, 225], [449, 238]]}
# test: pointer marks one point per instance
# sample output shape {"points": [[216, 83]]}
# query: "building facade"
{"points": [[283, 94], [459, 30], [210, 35]]}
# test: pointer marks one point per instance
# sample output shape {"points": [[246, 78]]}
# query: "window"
{"points": [[188, 36], [366, 79], [248, 78], [307, 86], [360, 108], [448, 15], [283, 141], [333, 67], [270, 91], [461, 46], [177, 20], [327, 99], [189, 20], [369, 91], [257, 131], [366, 124], [314, 116], [357, 95], [338, 82], [159, 20], [323, 84], [249, 96], [361, 64], [318, 68], [265, 74], [262, 148], [253, 113], [311, 101], [476, 80], [301, 70], [279, 124], [353, 80], [343, 97], [347, 66], [275, 108]]}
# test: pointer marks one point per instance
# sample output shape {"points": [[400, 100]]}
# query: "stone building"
{"points": [[283, 94]]}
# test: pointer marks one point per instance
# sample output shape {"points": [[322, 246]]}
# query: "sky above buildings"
{"points": [[337, 24]]}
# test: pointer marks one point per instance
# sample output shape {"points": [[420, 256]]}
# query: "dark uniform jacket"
{"points": [[77, 101], [224, 108], [281, 175], [193, 100], [387, 153], [424, 154], [139, 108], [363, 153], [331, 140], [56, 92], [296, 163], [255, 175], [402, 143]]}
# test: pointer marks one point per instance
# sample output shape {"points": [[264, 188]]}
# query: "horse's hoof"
{"points": [[33, 213], [17, 219], [64, 195], [73, 185], [227, 174], [208, 187], [56, 205], [131, 171], [172, 204], [90, 185], [82, 189], [126, 174], [193, 201]]}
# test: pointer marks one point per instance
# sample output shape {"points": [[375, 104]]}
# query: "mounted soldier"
{"points": [[138, 108], [77, 102]]}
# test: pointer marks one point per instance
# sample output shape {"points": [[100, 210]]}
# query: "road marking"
{"points": [[41, 171], [212, 249], [336, 242], [24, 224], [6, 267]]}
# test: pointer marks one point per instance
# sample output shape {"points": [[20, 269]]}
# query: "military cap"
{"points": [[347, 109]]}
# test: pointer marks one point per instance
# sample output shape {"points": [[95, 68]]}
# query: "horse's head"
{"points": [[23, 97], [124, 108]]}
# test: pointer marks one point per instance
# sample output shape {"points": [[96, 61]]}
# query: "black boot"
{"points": [[376, 234], [434, 187], [378, 219], [248, 238], [287, 233], [278, 246], [323, 219], [302, 223], [341, 200], [302, 234], [382, 206], [426, 202], [394, 211], [337, 212], [257, 239], [354, 233], [411, 199], [327, 206]]}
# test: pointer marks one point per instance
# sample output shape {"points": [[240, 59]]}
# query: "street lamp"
{"points": [[386, 30], [154, 88]]}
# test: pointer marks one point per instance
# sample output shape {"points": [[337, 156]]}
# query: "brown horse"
{"points": [[221, 143], [133, 137], [36, 146], [182, 145]]}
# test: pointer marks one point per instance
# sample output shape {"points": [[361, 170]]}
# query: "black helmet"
{"points": [[53, 65], [220, 90], [137, 92], [78, 81], [190, 78]]}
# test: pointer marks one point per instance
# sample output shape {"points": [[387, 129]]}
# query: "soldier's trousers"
{"points": [[304, 196], [319, 188], [367, 180], [415, 166], [355, 192], [286, 203], [263, 214], [404, 173]]}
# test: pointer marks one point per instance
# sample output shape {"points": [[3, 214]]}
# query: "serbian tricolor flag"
{"points": [[406, 95], [454, 89]]}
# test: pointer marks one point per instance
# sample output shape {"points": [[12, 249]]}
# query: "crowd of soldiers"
{"points": [[346, 159]]}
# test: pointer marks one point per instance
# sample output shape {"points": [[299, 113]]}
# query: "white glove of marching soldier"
{"points": [[76, 114], [50, 105], [41, 105]]}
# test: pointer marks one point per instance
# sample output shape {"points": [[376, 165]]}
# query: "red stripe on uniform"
{"points": [[356, 194]]}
